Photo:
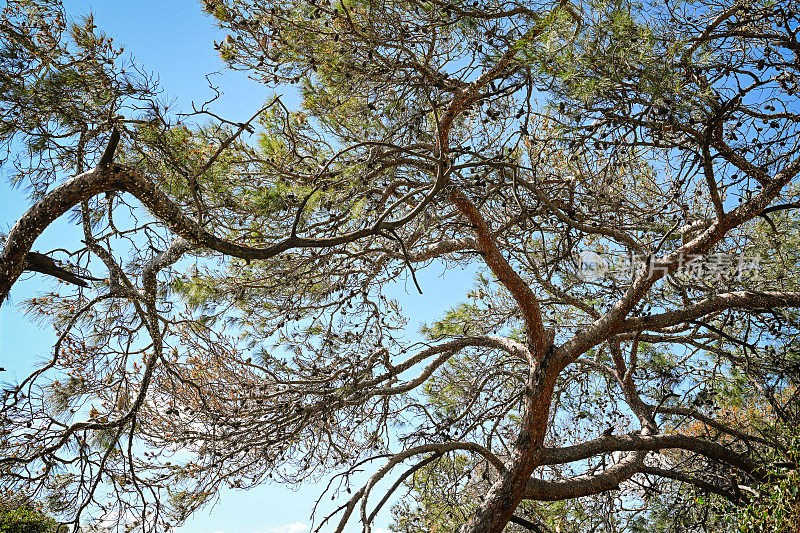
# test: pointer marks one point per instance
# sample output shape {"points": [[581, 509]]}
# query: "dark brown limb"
{"points": [[527, 524], [44, 264], [108, 153]]}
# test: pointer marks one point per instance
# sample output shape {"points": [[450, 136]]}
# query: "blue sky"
{"points": [[174, 40]]}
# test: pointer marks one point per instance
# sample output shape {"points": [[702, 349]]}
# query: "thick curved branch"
{"points": [[519, 289], [43, 213], [119, 178], [619, 443], [713, 304], [690, 480], [440, 248], [585, 485]]}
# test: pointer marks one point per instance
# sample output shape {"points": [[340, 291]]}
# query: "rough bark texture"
{"points": [[53, 205], [496, 509]]}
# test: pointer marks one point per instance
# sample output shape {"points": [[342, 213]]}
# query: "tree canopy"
{"points": [[621, 175]]}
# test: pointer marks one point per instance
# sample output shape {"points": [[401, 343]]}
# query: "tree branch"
{"points": [[631, 442], [585, 485], [520, 291]]}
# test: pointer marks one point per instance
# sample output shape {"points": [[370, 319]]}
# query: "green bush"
{"points": [[776, 510], [23, 519]]}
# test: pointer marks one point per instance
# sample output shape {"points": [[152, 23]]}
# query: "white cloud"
{"points": [[296, 527], [380, 530]]}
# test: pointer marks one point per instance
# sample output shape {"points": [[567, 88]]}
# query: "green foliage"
{"points": [[196, 291], [455, 322], [437, 504], [25, 519], [776, 509], [57, 76]]}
